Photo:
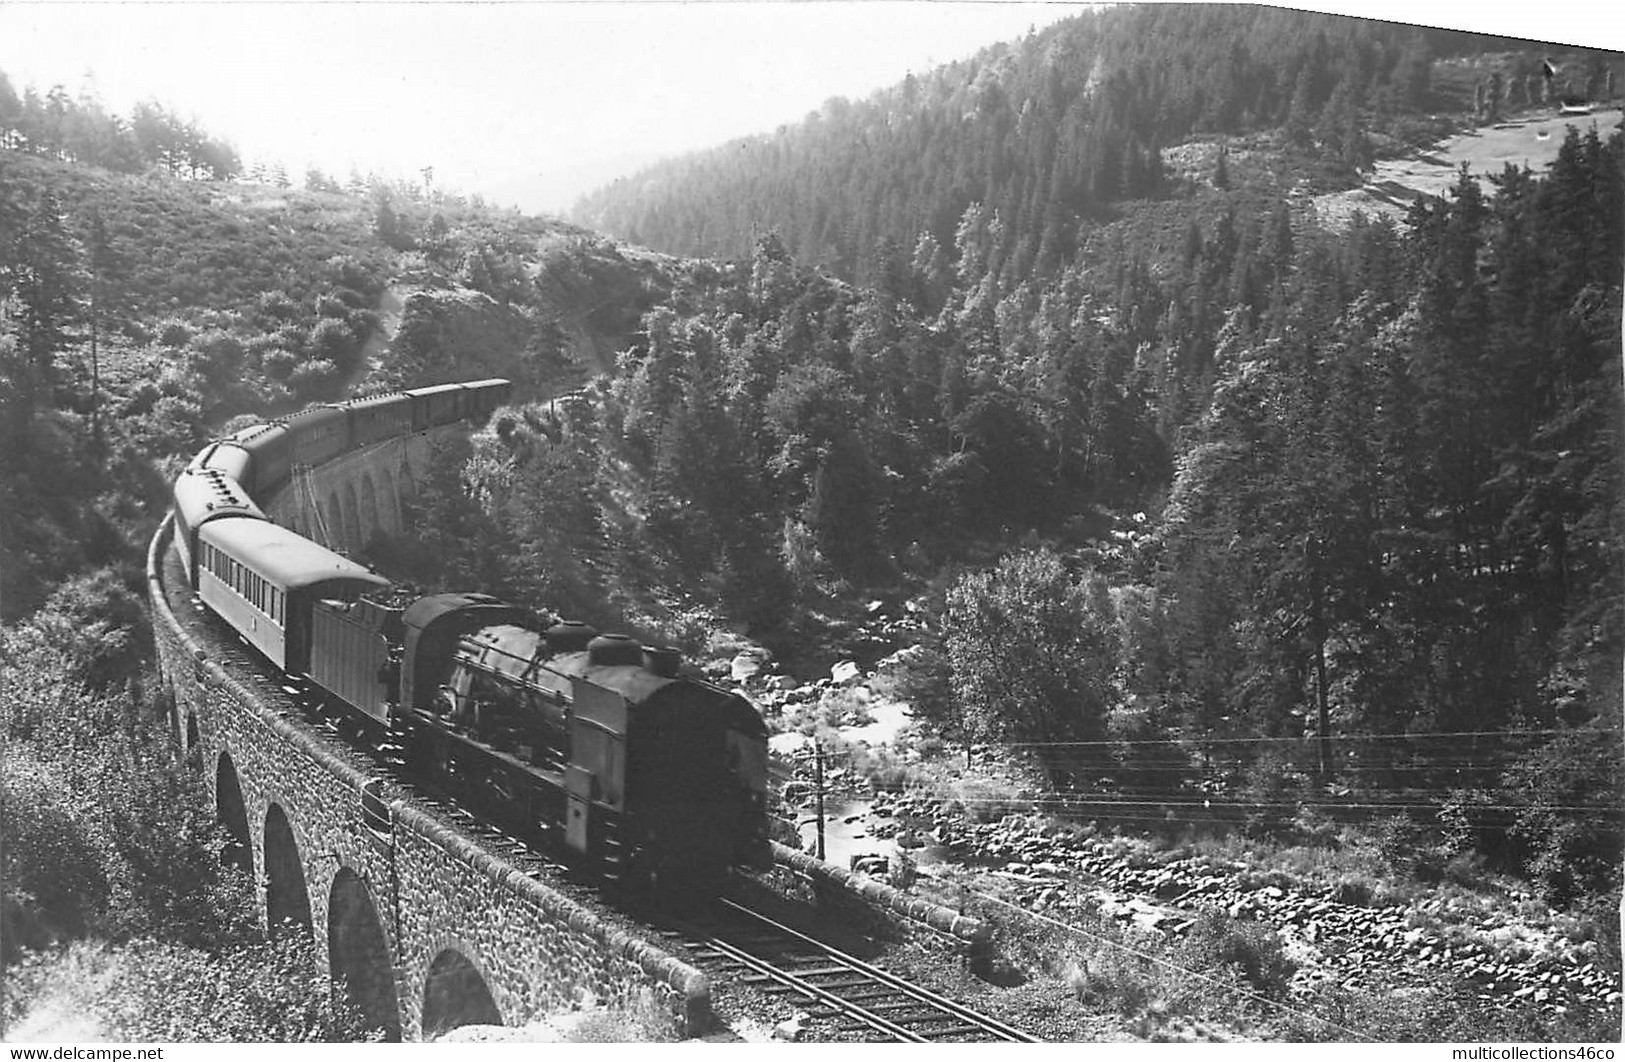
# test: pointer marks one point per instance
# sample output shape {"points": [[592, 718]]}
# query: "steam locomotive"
{"points": [[648, 777]]}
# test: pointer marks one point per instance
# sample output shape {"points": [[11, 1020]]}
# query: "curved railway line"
{"points": [[739, 943], [736, 944]]}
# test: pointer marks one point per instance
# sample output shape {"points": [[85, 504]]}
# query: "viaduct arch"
{"points": [[287, 901], [358, 954], [455, 993], [233, 815]]}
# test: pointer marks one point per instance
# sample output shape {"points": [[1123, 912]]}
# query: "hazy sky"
{"points": [[489, 93]]}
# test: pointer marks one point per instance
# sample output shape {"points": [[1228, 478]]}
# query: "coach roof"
{"points": [[281, 556]]}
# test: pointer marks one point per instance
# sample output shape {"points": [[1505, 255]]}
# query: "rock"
{"points": [[845, 673], [748, 664], [792, 1029], [873, 865]]}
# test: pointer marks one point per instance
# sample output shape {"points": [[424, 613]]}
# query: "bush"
{"points": [[981, 801], [1570, 856], [641, 1023], [174, 333], [1252, 948], [106, 831], [314, 379], [1397, 839], [55, 881], [270, 991]]}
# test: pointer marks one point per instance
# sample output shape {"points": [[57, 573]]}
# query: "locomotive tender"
{"points": [[603, 746]]}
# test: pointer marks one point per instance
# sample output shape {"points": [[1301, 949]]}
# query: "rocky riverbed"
{"points": [[1504, 944]]}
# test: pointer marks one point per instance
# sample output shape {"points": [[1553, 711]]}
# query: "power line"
{"points": [[1204, 740]]}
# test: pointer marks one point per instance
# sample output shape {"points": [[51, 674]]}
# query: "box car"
{"points": [[319, 434]]}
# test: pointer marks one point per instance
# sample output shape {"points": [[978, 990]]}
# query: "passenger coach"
{"points": [[263, 580]]}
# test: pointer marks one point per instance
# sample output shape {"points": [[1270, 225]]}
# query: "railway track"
{"points": [[747, 946]]}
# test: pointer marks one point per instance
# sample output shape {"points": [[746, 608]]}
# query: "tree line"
{"points": [[1052, 133], [80, 129]]}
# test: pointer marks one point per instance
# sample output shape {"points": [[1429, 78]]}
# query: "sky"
{"points": [[535, 102]]}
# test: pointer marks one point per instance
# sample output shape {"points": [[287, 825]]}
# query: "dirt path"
{"points": [[1528, 140], [390, 305]]}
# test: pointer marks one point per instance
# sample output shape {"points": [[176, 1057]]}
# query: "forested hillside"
{"points": [[1050, 134], [144, 311], [149, 299], [1276, 502]]}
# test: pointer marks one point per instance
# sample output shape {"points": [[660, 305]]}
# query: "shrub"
{"points": [[55, 882], [982, 801], [174, 333], [270, 991], [332, 340], [105, 831], [618, 1027], [313, 379], [1397, 839], [1252, 948], [1570, 855]]}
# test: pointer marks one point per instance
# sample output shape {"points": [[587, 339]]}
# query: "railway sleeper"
{"points": [[819, 971]]}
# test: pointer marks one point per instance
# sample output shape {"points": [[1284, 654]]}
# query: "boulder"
{"points": [[845, 673], [791, 1029], [748, 664]]}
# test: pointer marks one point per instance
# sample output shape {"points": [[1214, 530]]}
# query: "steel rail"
{"points": [[812, 991], [943, 1004]]}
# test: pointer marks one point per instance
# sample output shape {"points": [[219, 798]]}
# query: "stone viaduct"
{"points": [[427, 927]]}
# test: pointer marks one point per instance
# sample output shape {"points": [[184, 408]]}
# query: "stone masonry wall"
{"points": [[876, 908]]}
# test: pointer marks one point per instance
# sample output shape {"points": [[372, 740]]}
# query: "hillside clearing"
{"points": [[1528, 141]]}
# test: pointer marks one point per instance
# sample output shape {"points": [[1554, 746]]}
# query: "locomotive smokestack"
{"points": [[570, 636], [664, 660], [609, 649]]}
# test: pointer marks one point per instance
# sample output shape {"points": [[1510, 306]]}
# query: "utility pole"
{"points": [[818, 780], [1317, 615]]}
